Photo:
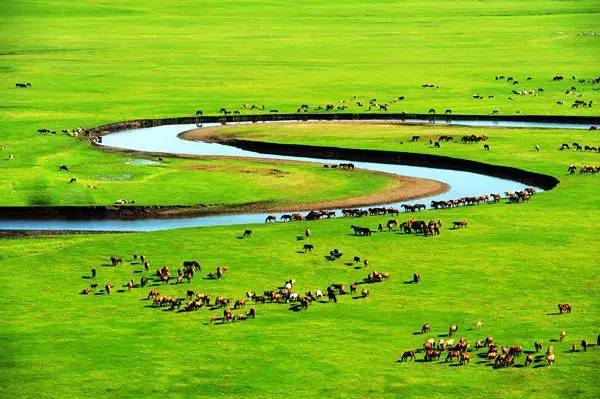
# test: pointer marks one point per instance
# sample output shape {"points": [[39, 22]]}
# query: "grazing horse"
{"points": [[271, 218], [452, 330], [458, 224], [426, 328], [528, 360], [115, 260], [584, 345], [63, 167], [564, 307], [411, 354], [247, 233], [308, 247], [453, 355], [191, 264]]}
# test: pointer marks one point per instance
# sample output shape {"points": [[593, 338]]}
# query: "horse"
{"points": [[271, 218], [411, 354], [247, 233], [564, 307], [308, 247], [426, 328], [115, 260]]}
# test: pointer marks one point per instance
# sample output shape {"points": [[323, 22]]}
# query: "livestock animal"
{"points": [[564, 307], [459, 224], [426, 328], [308, 247], [411, 354], [115, 260], [452, 330]]}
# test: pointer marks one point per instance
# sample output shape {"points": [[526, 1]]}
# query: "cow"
{"points": [[308, 247], [528, 360]]}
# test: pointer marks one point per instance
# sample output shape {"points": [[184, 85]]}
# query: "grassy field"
{"points": [[91, 63], [509, 268], [221, 183]]}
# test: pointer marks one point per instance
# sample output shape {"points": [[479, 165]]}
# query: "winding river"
{"points": [[166, 139]]}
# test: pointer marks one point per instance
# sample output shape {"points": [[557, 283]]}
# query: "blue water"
{"points": [[165, 139]]}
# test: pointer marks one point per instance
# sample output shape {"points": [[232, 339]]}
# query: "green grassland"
{"points": [[92, 63], [509, 268], [221, 183]]}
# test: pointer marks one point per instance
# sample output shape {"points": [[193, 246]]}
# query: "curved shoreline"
{"points": [[326, 152], [396, 192], [545, 182]]}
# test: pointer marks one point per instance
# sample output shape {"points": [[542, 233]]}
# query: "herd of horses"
{"points": [[232, 309], [512, 197], [579, 147], [584, 169], [498, 356]]}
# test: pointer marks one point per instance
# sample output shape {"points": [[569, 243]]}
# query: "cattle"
{"points": [[538, 346], [252, 313], [411, 354], [108, 287], [353, 287], [308, 247], [115, 260], [392, 224], [23, 85], [63, 167], [364, 293], [85, 291], [465, 357], [550, 358]]}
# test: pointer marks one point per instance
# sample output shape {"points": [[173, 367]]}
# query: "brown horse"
{"points": [[564, 307]]}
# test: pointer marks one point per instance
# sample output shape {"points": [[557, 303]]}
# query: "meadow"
{"points": [[92, 63]]}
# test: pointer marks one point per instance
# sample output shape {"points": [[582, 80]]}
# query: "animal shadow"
{"points": [[300, 252], [553, 314], [357, 267], [120, 290], [537, 366], [86, 277], [409, 282]]}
